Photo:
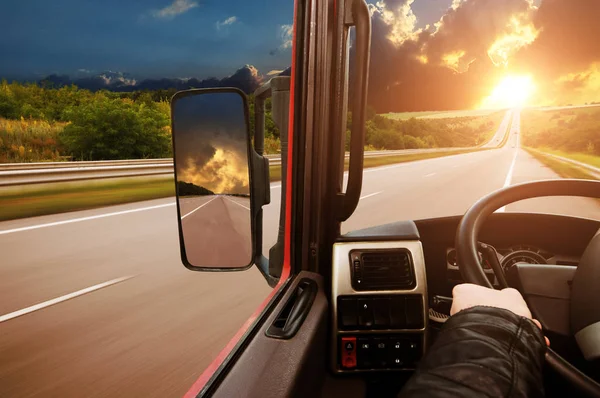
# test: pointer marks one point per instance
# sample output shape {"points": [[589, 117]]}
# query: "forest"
{"points": [[569, 130], [42, 123]]}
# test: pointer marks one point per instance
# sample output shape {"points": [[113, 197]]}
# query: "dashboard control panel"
{"points": [[379, 323], [380, 352], [380, 312]]}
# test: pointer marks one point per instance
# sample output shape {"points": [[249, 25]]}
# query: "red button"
{"points": [[348, 352]]}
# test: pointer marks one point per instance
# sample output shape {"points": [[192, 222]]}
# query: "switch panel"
{"points": [[380, 312], [381, 352], [379, 315]]}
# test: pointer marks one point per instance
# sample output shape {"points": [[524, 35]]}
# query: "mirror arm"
{"points": [[261, 182], [263, 266], [278, 88]]}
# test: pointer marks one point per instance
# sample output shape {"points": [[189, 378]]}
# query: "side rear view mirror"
{"points": [[221, 181]]}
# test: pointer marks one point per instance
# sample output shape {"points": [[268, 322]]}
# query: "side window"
{"points": [[467, 97], [92, 275]]}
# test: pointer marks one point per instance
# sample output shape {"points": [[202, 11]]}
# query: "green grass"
{"points": [[439, 114], [60, 198], [31, 201], [592, 160], [563, 169]]}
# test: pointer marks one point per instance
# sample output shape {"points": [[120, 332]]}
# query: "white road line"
{"points": [[511, 170], [52, 224], [430, 175], [198, 208], [57, 300], [371, 194], [239, 204]]}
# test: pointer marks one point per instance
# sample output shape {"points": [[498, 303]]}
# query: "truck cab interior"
{"points": [[352, 314]]}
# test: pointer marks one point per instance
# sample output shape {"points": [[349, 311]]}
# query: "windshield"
{"points": [[475, 97]]}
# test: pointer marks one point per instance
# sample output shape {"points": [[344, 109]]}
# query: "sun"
{"points": [[511, 92]]}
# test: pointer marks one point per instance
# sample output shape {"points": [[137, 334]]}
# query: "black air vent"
{"points": [[382, 270]]}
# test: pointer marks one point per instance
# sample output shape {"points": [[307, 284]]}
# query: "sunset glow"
{"points": [[504, 47], [512, 91]]}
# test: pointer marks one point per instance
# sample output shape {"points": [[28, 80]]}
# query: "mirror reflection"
{"points": [[213, 189]]}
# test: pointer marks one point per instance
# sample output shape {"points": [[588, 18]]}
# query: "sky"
{"points": [[153, 38], [144, 38], [426, 54], [211, 146]]}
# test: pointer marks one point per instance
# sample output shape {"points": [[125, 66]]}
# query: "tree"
{"points": [[116, 128]]}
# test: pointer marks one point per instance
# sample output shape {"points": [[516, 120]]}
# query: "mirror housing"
{"points": [[213, 156]]}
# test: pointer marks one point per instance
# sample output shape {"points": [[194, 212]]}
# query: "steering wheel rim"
{"points": [[472, 271]]}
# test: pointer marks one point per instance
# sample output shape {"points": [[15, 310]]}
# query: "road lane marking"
{"points": [[57, 300], [52, 224], [430, 174], [371, 194], [198, 208], [511, 170], [239, 204]]}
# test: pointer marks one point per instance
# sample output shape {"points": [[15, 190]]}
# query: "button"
{"points": [[397, 359], [381, 313], [348, 352], [381, 356], [348, 318], [398, 312], [413, 350], [414, 312], [364, 353], [357, 269], [365, 313]]}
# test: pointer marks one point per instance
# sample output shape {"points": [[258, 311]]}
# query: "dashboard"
{"points": [[386, 279], [518, 253]]}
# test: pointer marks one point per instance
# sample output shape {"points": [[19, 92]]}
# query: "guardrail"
{"points": [[12, 174], [594, 171]]}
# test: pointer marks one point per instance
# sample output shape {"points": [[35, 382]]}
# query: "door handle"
{"points": [[357, 15]]}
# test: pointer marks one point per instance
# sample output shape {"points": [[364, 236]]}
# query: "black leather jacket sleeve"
{"points": [[482, 352]]}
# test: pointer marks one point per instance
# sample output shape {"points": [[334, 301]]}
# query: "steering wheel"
{"points": [[584, 307]]}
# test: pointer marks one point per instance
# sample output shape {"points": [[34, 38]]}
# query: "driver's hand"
{"points": [[468, 295]]}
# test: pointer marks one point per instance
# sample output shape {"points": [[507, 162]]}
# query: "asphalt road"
{"points": [[216, 231], [97, 304]]}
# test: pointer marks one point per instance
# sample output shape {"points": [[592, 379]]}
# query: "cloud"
{"points": [[568, 39], [246, 78], [399, 18], [455, 63], [229, 21], [176, 8], [285, 34]]}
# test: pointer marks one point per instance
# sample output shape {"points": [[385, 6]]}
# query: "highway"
{"points": [[97, 303], [212, 226]]}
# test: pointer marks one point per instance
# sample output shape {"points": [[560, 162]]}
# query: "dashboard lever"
{"points": [[489, 253], [442, 304]]}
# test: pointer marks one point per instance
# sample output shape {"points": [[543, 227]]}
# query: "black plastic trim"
{"points": [[401, 230], [357, 14], [294, 312]]}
